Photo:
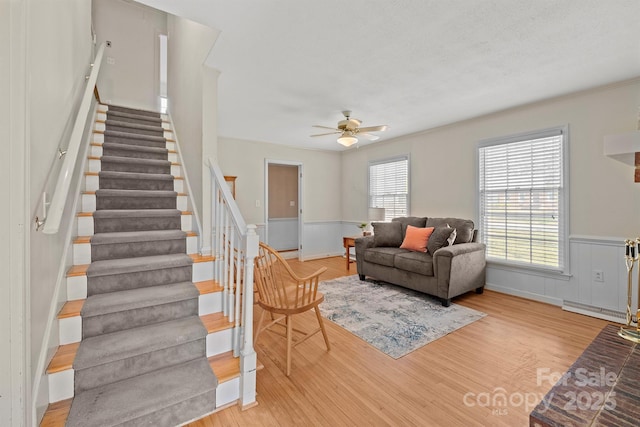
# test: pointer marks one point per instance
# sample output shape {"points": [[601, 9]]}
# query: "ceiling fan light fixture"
{"points": [[347, 140]]}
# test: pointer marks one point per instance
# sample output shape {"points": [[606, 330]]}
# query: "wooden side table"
{"points": [[349, 242]]}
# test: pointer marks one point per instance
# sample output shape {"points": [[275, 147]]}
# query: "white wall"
{"points": [[321, 192], [604, 201], [58, 55], [130, 74], [192, 92]]}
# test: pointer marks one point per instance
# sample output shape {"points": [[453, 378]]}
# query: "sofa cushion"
{"points": [[382, 256], [410, 220], [416, 238], [387, 234], [415, 262], [464, 227], [441, 237]]}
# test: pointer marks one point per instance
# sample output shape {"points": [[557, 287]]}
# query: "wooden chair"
{"points": [[282, 294]]}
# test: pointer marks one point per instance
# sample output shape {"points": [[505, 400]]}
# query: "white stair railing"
{"points": [[235, 246], [51, 213]]}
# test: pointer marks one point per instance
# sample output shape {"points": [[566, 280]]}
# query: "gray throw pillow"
{"points": [[387, 234], [464, 227], [410, 220], [441, 237]]}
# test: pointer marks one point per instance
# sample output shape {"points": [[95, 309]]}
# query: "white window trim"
{"points": [[565, 220], [406, 157]]}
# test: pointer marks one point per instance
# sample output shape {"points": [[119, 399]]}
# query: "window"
{"points": [[523, 198], [389, 186]]}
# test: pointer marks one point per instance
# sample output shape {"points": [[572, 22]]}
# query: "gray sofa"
{"points": [[454, 264]]}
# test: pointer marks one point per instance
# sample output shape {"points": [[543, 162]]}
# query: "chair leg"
{"points": [[289, 340], [324, 332], [259, 328]]}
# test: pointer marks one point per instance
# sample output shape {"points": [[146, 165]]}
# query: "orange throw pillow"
{"points": [[416, 238]]}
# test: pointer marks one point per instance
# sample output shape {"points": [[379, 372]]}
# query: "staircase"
{"points": [[142, 333]]}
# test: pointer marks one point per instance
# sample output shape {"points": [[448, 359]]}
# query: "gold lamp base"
{"points": [[630, 334]]}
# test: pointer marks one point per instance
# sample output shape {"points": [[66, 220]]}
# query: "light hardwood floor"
{"points": [[354, 384]]}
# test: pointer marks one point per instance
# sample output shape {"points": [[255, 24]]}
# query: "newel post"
{"points": [[248, 359]]}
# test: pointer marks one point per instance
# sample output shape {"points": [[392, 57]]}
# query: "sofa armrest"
{"points": [[459, 268], [461, 248], [362, 243]]}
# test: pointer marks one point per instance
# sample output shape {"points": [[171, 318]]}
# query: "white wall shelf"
{"points": [[623, 147]]}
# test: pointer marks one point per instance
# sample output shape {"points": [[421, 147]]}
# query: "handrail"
{"points": [[53, 217], [235, 246]]}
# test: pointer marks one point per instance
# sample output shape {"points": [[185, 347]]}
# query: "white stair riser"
{"points": [[219, 342], [202, 271], [168, 134], [182, 203], [96, 151], [172, 157], [70, 330], [76, 288], [227, 392], [166, 126], [98, 138], [81, 253], [176, 170], [187, 222], [61, 385], [100, 127], [101, 116], [209, 303], [171, 146]]}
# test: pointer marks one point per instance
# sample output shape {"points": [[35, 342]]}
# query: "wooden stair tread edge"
{"points": [[71, 309], [208, 287], [216, 322], [77, 270], [202, 258], [225, 366], [63, 358], [56, 414]]}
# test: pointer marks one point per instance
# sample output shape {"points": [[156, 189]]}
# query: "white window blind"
{"points": [[522, 199], [389, 186]]}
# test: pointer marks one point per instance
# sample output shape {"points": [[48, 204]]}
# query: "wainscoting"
{"points": [[283, 233], [578, 292]]}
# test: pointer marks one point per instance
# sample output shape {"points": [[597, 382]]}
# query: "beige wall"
{"points": [[322, 180], [188, 45], [283, 189], [133, 29], [604, 201]]}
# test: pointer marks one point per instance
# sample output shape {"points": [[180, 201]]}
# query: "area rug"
{"points": [[393, 319]]}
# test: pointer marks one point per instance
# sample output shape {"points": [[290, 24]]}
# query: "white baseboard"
{"points": [[525, 294]]}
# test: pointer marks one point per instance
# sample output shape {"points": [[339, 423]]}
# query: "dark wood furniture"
{"points": [[602, 388], [349, 242]]}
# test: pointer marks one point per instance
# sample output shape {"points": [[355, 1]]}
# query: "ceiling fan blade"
{"points": [[368, 136], [373, 128], [324, 134], [325, 127]]}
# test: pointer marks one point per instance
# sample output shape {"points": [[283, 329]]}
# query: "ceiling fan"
{"points": [[349, 130]]}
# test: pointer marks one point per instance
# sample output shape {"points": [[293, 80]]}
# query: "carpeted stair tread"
{"points": [[122, 116], [140, 264], [133, 138], [151, 399], [136, 213], [135, 175], [134, 149], [136, 236], [114, 346], [136, 111], [134, 193], [131, 160], [134, 128], [114, 302]]}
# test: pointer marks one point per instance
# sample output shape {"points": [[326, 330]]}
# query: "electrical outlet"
{"points": [[257, 203], [598, 275]]}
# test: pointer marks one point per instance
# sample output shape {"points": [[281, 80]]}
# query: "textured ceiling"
{"points": [[411, 64]]}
